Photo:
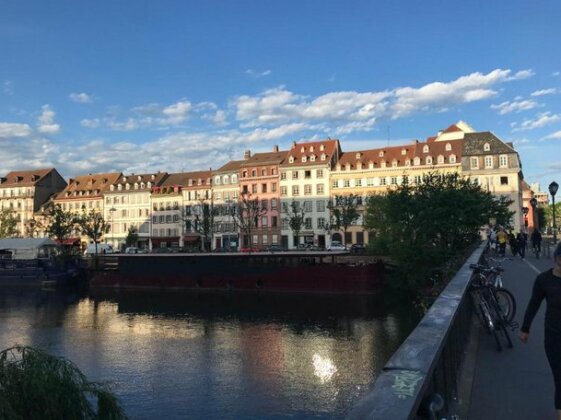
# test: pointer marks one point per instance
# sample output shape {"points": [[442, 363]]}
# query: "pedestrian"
{"points": [[501, 241], [521, 244], [548, 286], [536, 239], [512, 243]]}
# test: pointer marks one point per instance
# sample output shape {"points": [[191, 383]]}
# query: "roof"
{"points": [[92, 185], [153, 178], [233, 165], [25, 178], [311, 152], [30, 243], [267, 158], [451, 129], [184, 179], [402, 153], [474, 143]]}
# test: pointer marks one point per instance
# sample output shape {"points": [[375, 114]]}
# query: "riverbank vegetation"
{"points": [[36, 385], [426, 226]]}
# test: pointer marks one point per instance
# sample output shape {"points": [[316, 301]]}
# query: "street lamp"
{"points": [[533, 203], [111, 211], [525, 212], [553, 187]]}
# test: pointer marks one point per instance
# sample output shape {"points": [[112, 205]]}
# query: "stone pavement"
{"points": [[515, 383]]}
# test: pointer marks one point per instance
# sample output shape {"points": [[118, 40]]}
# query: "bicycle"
{"points": [[495, 307]]}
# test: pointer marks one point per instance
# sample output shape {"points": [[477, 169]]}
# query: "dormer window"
{"points": [[452, 159], [348, 166], [403, 152], [394, 163], [119, 187], [136, 185], [216, 180], [313, 158], [127, 186], [190, 182], [302, 149], [428, 160], [448, 147], [321, 147], [142, 185], [291, 159], [425, 148], [112, 188], [311, 148], [486, 147], [417, 161], [381, 153], [407, 162], [323, 157], [370, 165], [440, 159], [359, 165], [152, 177], [383, 164], [304, 159], [149, 185], [226, 179], [199, 182]]}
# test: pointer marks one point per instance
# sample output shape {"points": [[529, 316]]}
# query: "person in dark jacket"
{"points": [[536, 239], [512, 243], [521, 244], [548, 286]]}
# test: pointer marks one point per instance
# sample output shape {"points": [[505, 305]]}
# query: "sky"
{"points": [[141, 86]]}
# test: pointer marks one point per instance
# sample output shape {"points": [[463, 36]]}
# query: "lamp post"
{"points": [[534, 204], [228, 225], [111, 211], [525, 212], [553, 187]]}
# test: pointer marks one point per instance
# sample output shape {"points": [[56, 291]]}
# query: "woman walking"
{"points": [[548, 286]]}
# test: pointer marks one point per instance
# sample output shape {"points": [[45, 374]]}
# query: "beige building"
{"points": [[197, 193], [305, 181], [24, 192], [226, 189], [127, 206]]}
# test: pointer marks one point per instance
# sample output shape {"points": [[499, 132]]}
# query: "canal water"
{"points": [[214, 356]]}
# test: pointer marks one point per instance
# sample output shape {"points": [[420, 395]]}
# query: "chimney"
{"points": [[275, 148], [247, 155], [294, 144]]}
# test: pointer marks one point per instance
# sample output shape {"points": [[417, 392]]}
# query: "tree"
{"points": [[93, 225], [60, 223], [246, 215], [296, 220], [132, 236], [427, 224], [200, 219], [8, 224], [548, 216], [54, 388], [344, 212]]}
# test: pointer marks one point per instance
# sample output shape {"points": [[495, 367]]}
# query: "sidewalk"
{"points": [[515, 383]]}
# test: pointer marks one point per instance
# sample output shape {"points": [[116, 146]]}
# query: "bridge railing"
{"points": [[423, 371]]}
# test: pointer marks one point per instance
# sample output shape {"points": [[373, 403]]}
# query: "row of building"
{"points": [[161, 206]]}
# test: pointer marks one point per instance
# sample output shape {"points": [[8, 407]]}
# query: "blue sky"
{"points": [[139, 86]]}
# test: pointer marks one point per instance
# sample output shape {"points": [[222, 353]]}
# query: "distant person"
{"points": [[536, 239], [501, 242], [521, 244], [492, 234], [548, 286], [512, 243]]}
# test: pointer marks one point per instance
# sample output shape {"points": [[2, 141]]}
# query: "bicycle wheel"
{"points": [[500, 321], [492, 324], [507, 303]]}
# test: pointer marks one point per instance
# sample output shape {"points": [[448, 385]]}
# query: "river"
{"points": [[214, 356]]}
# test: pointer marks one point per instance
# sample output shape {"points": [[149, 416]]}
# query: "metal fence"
{"points": [[421, 377]]}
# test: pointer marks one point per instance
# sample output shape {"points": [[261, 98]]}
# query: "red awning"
{"points": [[191, 238], [69, 241]]}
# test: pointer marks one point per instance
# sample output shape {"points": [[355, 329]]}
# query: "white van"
{"points": [[101, 249]]}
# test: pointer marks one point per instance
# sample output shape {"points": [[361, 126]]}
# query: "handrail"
{"points": [[426, 362]]}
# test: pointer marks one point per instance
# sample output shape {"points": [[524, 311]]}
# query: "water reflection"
{"points": [[185, 355]]}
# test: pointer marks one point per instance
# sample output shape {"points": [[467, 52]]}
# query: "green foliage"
{"points": [[93, 225], [296, 219], [548, 216], [61, 223], [8, 224], [344, 211], [427, 224], [36, 385], [132, 237]]}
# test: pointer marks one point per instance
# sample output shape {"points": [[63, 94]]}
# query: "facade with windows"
{"points": [[127, 208], [259, 180], [305, 181], [226, 189], [197, 194], [24, 192]]}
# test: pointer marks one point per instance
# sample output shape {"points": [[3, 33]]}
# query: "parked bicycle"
{"points": [[494, 305]]}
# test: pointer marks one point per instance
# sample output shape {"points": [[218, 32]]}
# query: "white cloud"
{"points": [[12, 130], [540, 121], [257, 74], [219, 118], [128, 125], [45, 122], [8, 87], [515, 106], [556, 73], [81, 98], [553, 136], [176, 113], [522, 74], [543, 92], [90, 123]]}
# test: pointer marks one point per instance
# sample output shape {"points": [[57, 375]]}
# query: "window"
{"points": [[358, 182], [307, 174], [161, 219], [307, 189], [381, 153], [474, 163], [393, 180], [417, 161], [370, 182], [175, 218], [265, 204], [334, 184], [217, 180], [264, 188], [394, 163], [244, 174], [294, 174], [503, 161], [274, 187], [155, 219], [323, 156], [274, 203], [429, 160], [168, 218], [307, 206], [346, 183], [291, 159], [452, 159], [264, 221], [254, 188], [448, 147], [405, 180], [263, 172], [319, 188], [319, 173], [308, 223], [504, 180], [486, 147], [295, 190], [274, 221], [425, 148], [440, 159], [383, 181], [283, 175], [234, 179], [488, 161], [304, 159], [321, 223], [283, 191], [226, 180], [264, 239], [255, 239], [320, 205], [254, 172]]}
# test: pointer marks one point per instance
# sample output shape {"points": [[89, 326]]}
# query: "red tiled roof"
{"points": [[183, 179], [233, 165], [25, 178], [453, 128], [268, 158], [309, 149], [91, 185], [154, 179]]}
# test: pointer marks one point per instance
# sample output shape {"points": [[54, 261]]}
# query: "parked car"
{"points": [[336, 246], [358, 249], [276, 248], [131, 250], [101, 249]]}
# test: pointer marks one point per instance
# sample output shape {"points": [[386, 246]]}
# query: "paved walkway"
{"points": [[515, 383]]}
